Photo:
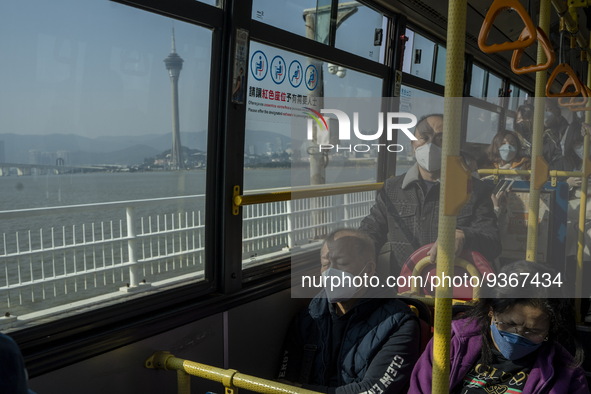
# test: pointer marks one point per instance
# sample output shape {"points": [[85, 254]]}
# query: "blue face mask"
{"points": [[507, 152], [512, 346]]}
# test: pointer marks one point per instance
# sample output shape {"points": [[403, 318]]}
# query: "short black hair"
{"points": [[356, 242]]}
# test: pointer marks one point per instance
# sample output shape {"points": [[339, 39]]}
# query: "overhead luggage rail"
{"points": [[529, 32], [230, 378], [548, 50]]}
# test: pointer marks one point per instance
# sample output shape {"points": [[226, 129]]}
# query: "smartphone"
{"points": [[502, 186]]}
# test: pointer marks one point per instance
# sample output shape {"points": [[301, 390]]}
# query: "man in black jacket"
{"points": [[405, 215], [351, 339]]}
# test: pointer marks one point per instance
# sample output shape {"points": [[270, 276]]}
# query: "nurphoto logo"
{"points": [[344, 130]]}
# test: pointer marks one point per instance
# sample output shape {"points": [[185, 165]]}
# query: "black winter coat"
{"points": [[404, 218], [379, 347]]}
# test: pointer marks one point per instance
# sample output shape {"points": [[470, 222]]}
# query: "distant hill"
{"points": [[122, 150]]}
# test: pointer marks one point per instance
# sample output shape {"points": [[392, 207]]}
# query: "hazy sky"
{"points": [[94, 67]]}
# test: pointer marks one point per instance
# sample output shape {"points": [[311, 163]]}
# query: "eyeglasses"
{"points": [[533, 335]]}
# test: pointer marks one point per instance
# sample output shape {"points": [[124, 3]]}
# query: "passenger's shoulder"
{"points": [[394, 180], [466, 328]]}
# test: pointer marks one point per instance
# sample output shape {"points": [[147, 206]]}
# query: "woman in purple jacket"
{"points": [[509, 344]]}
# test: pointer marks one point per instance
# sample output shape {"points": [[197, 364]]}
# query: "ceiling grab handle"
{"points": [[566, 69], [495, 9], [587, 93], [548, 50], [573, 101]]}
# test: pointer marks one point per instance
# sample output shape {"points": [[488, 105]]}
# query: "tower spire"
{"points": [[173, 42]]}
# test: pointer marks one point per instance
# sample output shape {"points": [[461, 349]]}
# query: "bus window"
{"points": [[290, 15], [362, 31], [283, 90], [482, 125], [493, 89], [440, 65], [477, 86], [421, 57], [104, 140]]}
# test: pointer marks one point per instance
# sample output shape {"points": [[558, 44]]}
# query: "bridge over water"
{"points": [[42, 169]]}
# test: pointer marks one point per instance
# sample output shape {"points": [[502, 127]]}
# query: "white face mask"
{"points": [[341, 288], [429, 157]]}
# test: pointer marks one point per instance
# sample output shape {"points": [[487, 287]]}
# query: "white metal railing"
{"points": [[54, 257]]}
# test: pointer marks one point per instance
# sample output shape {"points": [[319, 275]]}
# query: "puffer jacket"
{"points": [[379, 348]]}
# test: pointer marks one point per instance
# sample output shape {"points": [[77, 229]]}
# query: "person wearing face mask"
{"points": [[560, 138], [351, 339], [405, 215], [512, 341], [505, 152], [523, 126]]}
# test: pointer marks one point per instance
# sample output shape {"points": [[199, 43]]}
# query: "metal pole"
{"points": [[456, 40], [586, 169], [539, 167]]}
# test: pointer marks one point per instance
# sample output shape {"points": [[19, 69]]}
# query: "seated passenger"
{"points": [[506, 153], [349, 340], [510, 344]]}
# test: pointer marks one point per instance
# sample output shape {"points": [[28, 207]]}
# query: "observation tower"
{"points": [[174, 64]]}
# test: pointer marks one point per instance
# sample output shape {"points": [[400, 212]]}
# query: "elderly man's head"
{"points": [[348, 250], [427, 147]]}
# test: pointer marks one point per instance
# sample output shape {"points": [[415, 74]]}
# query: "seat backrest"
{"points": [[477, 264], [424, 313]]}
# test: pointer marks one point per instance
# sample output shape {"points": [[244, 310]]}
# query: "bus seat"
{"points": [[423, 312], [470, 263]]}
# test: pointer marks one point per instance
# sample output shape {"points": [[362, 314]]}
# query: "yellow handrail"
{"points": [[446, 232], [538, 162], [240, 200], [230, 378]]}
